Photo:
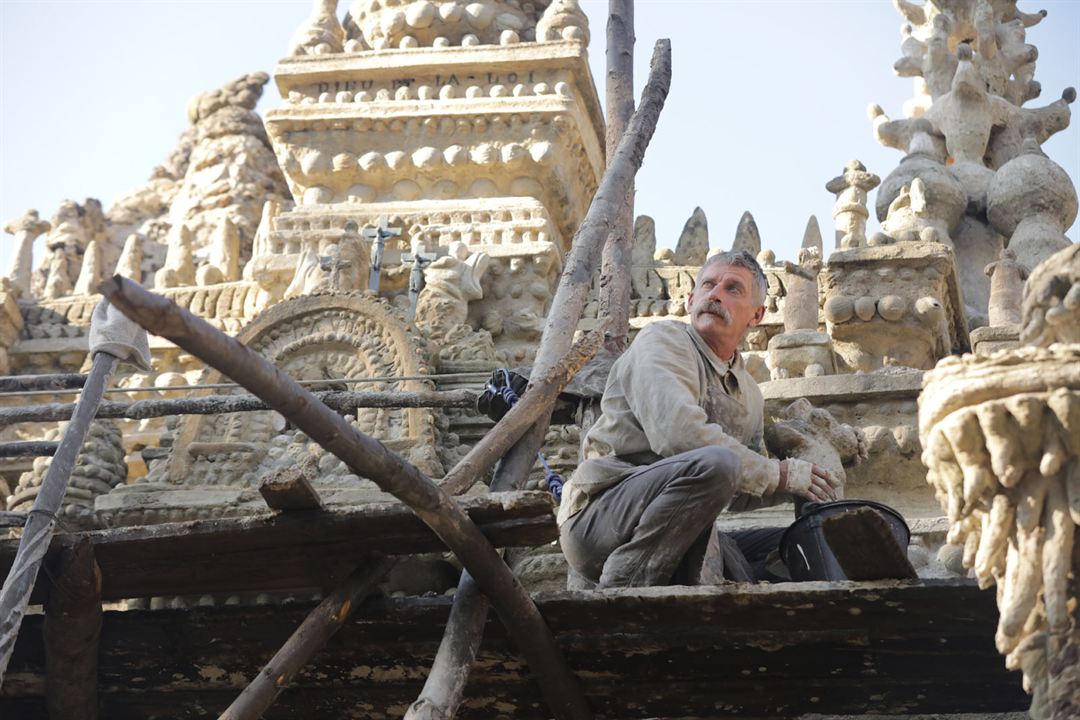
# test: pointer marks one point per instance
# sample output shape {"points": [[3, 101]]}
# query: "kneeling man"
{"points": [[680, 437]]}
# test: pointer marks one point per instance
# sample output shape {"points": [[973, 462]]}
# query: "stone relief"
{"points": [[1002, 445]]}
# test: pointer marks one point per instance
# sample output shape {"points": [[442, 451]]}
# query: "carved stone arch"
{"points": [[316, 337]]}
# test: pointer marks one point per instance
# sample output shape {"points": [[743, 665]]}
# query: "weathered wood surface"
{"points": [[29, 448], [587, 244], [281, 551], [367, 457], [72, 629], [734, 651], [341, 400], [317, 628], [614, 300], [28, 553], [865, 547], [58, 381], [289, 489]]}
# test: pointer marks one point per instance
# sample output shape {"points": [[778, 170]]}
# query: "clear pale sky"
{"points": [[768, 99]]}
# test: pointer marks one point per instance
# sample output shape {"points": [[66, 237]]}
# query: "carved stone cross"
{"points": [[378, 236], [416, 276]]}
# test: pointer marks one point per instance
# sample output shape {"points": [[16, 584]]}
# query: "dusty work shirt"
{"points": [[667, 394]]}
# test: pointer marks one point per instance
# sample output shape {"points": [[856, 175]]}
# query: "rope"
{"points": [[553, 479]]}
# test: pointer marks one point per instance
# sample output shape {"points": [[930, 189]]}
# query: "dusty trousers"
{"points": [[636, 533]]}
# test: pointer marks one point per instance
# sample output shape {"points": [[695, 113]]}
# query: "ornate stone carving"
{"points": [[964, 139], [216, 461], [801, 349], [442, 310], [321, 33], [99, 467], [851, 188], [894, 305], [25, 228], [813, 434], [1002, 444]]}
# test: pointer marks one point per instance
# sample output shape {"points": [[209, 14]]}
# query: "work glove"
{"points": [[806, 480], [114, 333]]}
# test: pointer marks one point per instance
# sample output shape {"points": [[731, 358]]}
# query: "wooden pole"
{"points": [[42, 516], [615, 265], [367, 458], [72, 628], [318, 627], [445, 686], [537, 402], [28, 448], [342, 401], [573, 290], [57, 381]]}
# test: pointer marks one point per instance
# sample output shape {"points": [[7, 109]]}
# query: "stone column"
{"points": [[851, 188], [25, 228]]}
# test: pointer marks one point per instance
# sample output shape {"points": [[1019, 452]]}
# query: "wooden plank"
{"points": [[285, 551], [289, 489], [685, 652], [865, 547]]}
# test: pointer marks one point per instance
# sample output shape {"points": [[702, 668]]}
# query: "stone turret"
{"points": [[963, 136]]}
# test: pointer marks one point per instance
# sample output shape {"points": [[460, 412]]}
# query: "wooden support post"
{"points": [[342, 401], [72, 628], [445, 684], [368, 458], [37, 533], [615, 266], [574, 286], [318, 627]]}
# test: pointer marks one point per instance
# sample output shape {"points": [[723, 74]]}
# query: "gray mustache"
{"points": [[716, 308]]}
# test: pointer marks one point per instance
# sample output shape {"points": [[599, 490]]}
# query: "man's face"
{"points": [[722, 306]]}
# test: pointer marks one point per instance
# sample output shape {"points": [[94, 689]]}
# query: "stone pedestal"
{"points": [[894, 305], [800, 353], [988, 340]]}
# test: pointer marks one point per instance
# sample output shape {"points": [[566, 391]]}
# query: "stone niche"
{"points": [[894, 305]]}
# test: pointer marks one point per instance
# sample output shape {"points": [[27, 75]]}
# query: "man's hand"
{"points": [[806, 480]]}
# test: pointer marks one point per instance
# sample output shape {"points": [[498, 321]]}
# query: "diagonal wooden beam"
{"points": [[445, 686], [581, 263], [369, 458], [318, 627], [38, 530]]}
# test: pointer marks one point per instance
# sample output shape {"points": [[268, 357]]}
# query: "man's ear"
{"points": [[689, 303], [759, 315]]}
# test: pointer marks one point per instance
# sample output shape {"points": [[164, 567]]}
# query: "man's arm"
{"points": [[662, 387]]}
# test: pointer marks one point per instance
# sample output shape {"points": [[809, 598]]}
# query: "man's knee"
{"points": [[717, 470], [717, 465]]}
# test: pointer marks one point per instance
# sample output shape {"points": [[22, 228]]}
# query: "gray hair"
{"points": [[743, 259]]}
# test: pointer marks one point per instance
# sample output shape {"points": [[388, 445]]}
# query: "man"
{"points": [[679, 438]]}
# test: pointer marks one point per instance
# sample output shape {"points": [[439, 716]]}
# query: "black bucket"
{"points": [[806, 553]]}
